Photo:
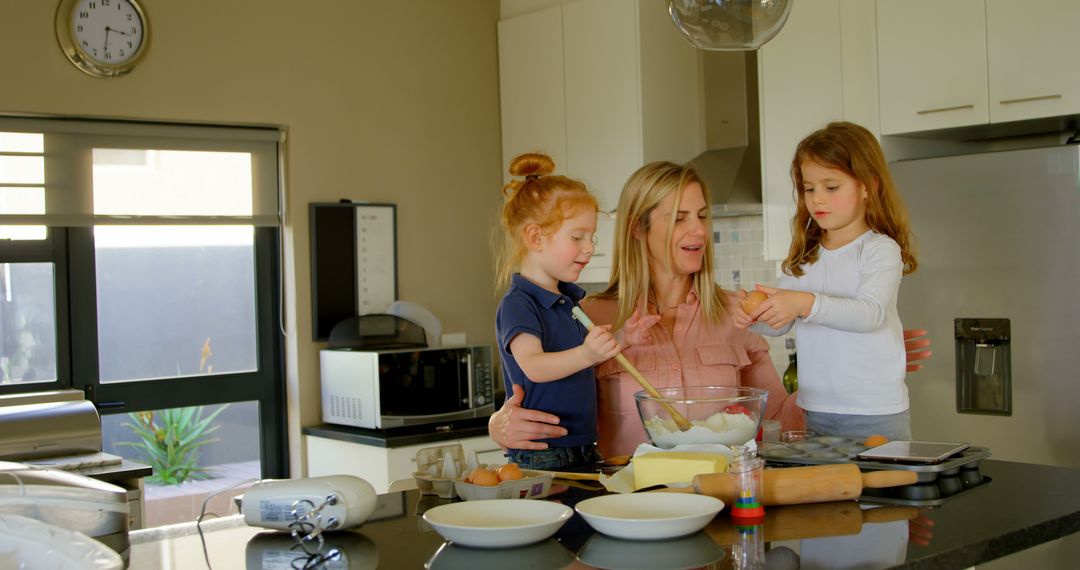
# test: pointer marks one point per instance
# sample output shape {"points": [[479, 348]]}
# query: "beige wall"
{"points": [[384, 101]]}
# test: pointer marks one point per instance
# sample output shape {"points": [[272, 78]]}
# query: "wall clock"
{"points": [[104, 38]]}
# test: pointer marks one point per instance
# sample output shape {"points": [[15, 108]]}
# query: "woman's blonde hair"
{"points": [[542, 199], [854, 150], [630, 279]]}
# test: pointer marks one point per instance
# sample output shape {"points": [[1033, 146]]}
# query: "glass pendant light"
{"points": [[729, 24]]}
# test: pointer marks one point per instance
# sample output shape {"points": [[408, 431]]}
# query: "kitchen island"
{"points": [[1020, 506]]}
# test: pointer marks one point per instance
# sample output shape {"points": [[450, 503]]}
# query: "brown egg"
{"points": [[752, 301], [482, 477], [876, 440], [509, 472]]}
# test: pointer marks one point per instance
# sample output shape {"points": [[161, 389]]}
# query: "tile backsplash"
{"points": [[740, 263]]}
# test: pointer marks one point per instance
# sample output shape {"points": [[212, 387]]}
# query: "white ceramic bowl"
{"points": [[498, 523], [649, 516]]}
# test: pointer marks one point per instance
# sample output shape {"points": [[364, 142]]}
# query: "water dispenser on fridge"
{"points": [[983, 366]]}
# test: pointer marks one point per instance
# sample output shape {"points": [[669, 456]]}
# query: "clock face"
{"points": [[102, 37]]}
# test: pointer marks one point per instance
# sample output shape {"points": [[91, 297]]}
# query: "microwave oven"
{"points": [[415, 386]]}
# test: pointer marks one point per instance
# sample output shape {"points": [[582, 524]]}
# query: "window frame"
{"points": [[53, 249], [264, 385], [69, 246]]}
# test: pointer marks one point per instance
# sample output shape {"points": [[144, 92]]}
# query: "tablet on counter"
{"points": [[913, 451]]}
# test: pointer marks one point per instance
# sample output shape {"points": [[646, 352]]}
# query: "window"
{"points": [[28, 349], [139, 263]]}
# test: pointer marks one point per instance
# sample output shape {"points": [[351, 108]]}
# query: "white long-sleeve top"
{"points": [[851, 346]]}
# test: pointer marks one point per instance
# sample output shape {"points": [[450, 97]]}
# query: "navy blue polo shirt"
{"points": [[528, 308]]}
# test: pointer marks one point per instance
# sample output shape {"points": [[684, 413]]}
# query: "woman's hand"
{"points": [[514, 427], [914, 342], [782, 306], [635, 330]]}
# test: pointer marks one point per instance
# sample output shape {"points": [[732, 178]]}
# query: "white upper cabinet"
{"points": [[1032, 59], [974, 62], [932, 64], [603, 87]]}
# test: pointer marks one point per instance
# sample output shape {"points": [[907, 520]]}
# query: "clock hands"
{"points": [[109, 30]]}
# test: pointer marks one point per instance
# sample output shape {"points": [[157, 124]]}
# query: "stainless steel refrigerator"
{"points": [[998, 288]]}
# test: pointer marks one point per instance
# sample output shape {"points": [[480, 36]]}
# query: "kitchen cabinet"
{"points": [[1032, 68], [819, 68], [381, 466], [932, 64], [973, 62], [603, 87]]}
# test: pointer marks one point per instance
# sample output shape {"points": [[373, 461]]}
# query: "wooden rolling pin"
{"points": [[813, 484], [817, 520]]}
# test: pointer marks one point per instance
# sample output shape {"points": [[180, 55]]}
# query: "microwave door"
{"points": [[420, 387]]}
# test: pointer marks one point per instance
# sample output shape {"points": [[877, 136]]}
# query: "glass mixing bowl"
{"points": [[720, 414]]}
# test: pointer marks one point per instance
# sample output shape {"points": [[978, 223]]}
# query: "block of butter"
{"points": [[665, 467]]}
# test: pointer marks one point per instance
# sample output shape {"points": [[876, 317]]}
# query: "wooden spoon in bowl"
{"points": [[676, 416]]}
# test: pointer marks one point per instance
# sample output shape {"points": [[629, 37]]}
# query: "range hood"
{"points": [[731, 163]]}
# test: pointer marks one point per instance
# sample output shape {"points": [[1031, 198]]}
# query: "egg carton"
{"points": [[429, 475], [430, 479], [833, 449], [532, 485]]}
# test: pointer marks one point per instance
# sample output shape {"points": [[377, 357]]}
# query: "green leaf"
{"points": [[171, 443]]}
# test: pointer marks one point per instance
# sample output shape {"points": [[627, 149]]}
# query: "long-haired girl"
{"points": [[851, 246]]}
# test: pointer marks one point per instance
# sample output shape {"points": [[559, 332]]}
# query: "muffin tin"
{"points": [[936, 482]]}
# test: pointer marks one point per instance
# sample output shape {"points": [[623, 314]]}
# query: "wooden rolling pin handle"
{"points": [[882, 479]]}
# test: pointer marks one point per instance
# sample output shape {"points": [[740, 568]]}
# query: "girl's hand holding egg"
{"points": [[744, 306], [752, 300], [783, 306]]}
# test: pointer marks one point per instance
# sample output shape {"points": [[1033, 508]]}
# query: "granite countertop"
{"points": [[1022, 505], [401, 437]]}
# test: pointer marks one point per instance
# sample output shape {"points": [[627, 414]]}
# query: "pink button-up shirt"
{"points": [[694, 354]]}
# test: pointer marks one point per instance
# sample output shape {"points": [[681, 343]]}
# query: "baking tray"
{"points": [[931, 494], [824, 450]]}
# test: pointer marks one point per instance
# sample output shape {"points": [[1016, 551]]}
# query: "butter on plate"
{"points": [[666, 467]]}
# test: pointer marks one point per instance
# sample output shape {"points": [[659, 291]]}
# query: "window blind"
{"points": [[80, 172]]}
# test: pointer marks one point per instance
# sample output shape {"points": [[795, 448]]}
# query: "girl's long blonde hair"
{"points": [[630, 279], [854, 150], [542, 199]]}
